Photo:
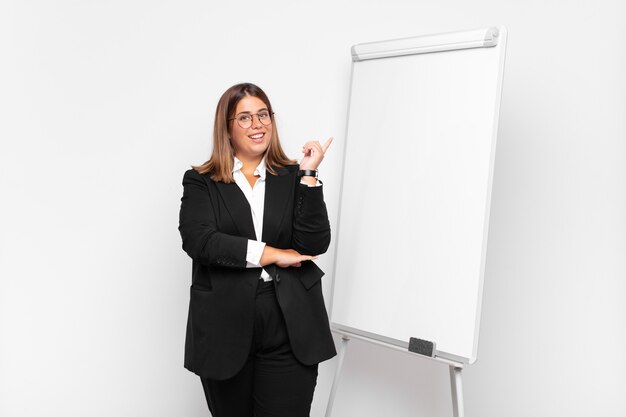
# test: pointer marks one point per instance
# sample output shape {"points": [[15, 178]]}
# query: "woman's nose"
{"points": [[258, 123]]}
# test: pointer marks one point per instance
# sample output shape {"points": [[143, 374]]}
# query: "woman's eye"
{"points": [[244, 118], [264, 115]]}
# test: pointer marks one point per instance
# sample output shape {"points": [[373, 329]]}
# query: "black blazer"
{"points": [[215, 225]]}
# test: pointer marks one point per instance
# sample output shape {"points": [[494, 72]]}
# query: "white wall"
{"points": [[103, 105]]}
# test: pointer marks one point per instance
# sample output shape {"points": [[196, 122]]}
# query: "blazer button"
{"points": [[277, 278]]}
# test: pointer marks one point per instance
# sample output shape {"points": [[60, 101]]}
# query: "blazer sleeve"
{"points": [[311, 228], [198, 228]]}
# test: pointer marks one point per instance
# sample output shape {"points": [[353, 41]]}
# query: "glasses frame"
{"points": [[271, 113]]}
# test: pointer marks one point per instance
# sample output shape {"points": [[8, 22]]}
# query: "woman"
{"points": [[253, 222]]}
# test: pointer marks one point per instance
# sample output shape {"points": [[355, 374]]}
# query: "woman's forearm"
{"points": [[283, 257]]}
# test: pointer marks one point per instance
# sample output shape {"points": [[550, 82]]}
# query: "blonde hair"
{"points": [[220, 165]]}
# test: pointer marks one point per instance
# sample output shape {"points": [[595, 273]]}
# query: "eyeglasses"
{"points": [[244, 120]]}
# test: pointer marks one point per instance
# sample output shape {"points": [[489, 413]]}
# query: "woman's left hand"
{"points": [[313, 153]]}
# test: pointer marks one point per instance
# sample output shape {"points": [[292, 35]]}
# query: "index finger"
{"points": [[327, 144]]}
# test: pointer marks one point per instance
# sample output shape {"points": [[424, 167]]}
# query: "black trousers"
{"points": [[272, 383]]}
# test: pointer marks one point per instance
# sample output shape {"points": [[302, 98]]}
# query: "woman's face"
{"points": [[252, 142]]}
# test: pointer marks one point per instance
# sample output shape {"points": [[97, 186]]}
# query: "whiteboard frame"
{"points": [[449, 41]]}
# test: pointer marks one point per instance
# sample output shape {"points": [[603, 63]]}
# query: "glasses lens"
{"points": [[265, 117], [244, 120]]}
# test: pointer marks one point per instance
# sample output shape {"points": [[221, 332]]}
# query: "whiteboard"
{"points": [[416, 189]]}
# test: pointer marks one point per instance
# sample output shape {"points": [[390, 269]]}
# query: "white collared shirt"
{"points": [[256, 198]]}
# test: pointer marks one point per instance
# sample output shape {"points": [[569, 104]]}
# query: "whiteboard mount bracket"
{"points": [[451, 41]]}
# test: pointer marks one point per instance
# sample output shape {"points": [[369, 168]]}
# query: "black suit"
{"points": [[215, 225]]}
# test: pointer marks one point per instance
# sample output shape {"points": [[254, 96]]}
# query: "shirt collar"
{"points": [[260, 169]]}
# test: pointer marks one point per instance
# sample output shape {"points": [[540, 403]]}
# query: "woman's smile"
{"points": [[257, 137]]}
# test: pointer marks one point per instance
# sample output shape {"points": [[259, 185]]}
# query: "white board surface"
{"points": [[416, 189]]}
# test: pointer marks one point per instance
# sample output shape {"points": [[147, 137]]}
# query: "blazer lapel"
{"points": [[278, 193], [238, 208]]}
